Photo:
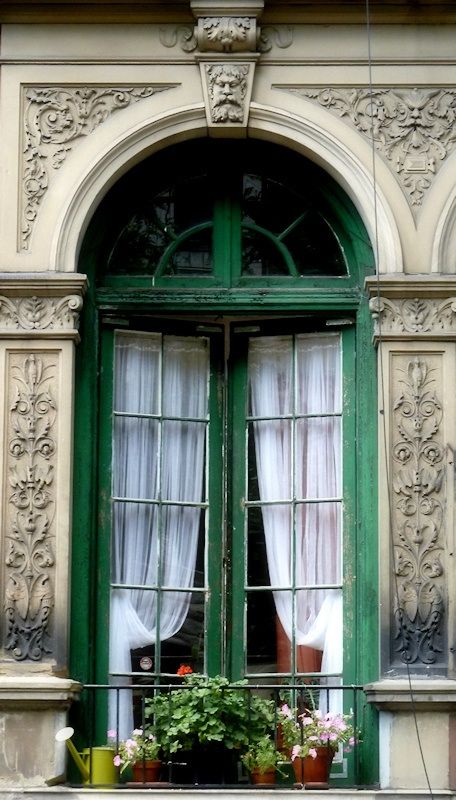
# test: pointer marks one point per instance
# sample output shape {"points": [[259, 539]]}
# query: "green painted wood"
{"points": [[119, 298]]}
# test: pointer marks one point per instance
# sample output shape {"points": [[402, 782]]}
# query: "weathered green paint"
{"points": [[226, 293]]}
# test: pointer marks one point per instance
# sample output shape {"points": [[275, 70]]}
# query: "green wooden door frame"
{"points": [[112, 301]]}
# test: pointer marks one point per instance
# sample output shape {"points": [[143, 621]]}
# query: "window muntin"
{"points": [[162, 498], [281, 224]]}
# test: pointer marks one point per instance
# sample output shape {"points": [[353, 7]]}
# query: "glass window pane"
{"points": [[185, 376], [318, 459], [270, 376], [272, 459], [318, 364], [319, 625], [257, 564], [137, 373], [193, 257], [136, 457], [314, 247], [135, 533], [187, 645], [181, 527], [260, 256], [261, 645], [318, 544]]}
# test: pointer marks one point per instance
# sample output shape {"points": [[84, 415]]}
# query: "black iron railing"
{"points": [[207, 747]]}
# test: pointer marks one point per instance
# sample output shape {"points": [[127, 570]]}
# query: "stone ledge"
{"points": [[399, 286], [42, 284], [24, 693], [422, 695]]}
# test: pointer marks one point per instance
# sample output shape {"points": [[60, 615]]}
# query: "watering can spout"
{"points": [[64, 735]]}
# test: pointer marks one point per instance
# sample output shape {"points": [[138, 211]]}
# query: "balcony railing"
{"points": [[212, 764]]}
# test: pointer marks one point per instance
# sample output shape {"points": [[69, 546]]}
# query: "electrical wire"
{"points": [[382, 394]]}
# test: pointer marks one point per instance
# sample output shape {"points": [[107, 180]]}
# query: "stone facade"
{"points": [[373, 101]]}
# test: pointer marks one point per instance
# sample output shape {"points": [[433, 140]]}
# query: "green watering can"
{"points": [[94, 763]]}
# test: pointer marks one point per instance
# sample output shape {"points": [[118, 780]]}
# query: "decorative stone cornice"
{"points": [[418, 318], [33, 306], [37, 691], [413, 307], [55, 118], [402, 695], [413, 129]]}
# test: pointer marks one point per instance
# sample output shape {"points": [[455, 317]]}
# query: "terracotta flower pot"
{"points": [[146, 771], [263, 776], [314, 772]]}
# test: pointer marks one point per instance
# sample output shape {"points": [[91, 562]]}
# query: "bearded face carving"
{"points": [[227, 90]]}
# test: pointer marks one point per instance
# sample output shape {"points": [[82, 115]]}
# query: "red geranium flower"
{"points": [[184, 669]]}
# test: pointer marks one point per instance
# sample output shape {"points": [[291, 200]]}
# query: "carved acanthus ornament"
{"points": [[29, 558], [40, 314], [418, 486], [418, 316], [413, 129], [226, 34], [55, 118], [187, 39]]}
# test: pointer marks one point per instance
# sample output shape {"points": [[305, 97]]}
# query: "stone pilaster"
{"points": [[39, 318], [415, 332]]}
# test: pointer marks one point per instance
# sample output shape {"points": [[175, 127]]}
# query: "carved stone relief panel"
{"points": [[413, 129], [29, 516], [419, 316], [267, 38], [40, 314], [227, 89], [55, 119], [418, 493]]}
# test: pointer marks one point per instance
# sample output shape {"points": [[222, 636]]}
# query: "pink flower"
{"points": [[117, 760], [112, 733], [286, 711], [296, 751], [313, 752], [352, 740]]}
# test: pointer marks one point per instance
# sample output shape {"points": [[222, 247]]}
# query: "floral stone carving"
{"points": [[40, 313], [54, 119], [413, 316], [29, 559], [417, 481], [412, 128], [226, 34]]}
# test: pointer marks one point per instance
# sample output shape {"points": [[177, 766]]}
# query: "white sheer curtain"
{"points": [[305, 380], [154, 545]]}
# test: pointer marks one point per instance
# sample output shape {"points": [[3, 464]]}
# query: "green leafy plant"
{"points": [[141, 745], [262, 755], [209, 710]]}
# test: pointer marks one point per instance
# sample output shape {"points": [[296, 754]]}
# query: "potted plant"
{"points": [[313, 737], [208, 723], [141, 751], [262, 760]]}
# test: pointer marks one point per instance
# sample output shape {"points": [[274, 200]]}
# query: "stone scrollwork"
{"points": [[418, 486], [417, 316], [40, 314], [412, 128], [55, 117], [186, 37], [29, 558]]}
